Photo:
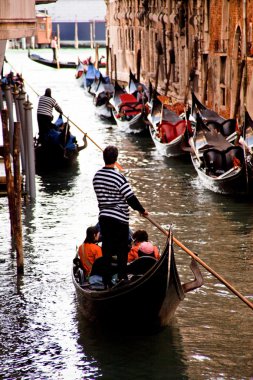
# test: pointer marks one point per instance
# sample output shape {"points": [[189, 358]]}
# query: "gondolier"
{"points": [[54, 47], [45, 113], [114, 195]]}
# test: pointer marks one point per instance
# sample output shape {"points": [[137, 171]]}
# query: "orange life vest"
{"points": [[133, 253], [88, 253]]}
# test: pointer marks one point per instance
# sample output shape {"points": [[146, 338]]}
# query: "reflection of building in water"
{"points": [[82, 20], [183, 45]]}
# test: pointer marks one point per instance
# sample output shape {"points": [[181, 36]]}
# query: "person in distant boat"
{"points": [[89, 251], [45, 113], [141, 95], [54, 47], [114, 195], [140, 237]]}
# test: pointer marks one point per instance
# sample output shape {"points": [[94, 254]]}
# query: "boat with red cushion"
{"points": [[170, 133], [129, 114]]}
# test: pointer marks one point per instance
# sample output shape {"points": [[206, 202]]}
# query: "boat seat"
{"points": [[98, 268], [219, 162], [141, 265], [130, 108], [172, 131], [213, 161], [226, 128]]}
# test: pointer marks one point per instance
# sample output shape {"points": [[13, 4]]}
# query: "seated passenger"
{"points": [[89, 251], [148, 249], [139, 237]]}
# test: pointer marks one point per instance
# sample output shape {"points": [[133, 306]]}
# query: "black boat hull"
{"points": [[148, 301], [54, 64]]}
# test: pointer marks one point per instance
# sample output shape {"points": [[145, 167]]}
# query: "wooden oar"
{"points": [[201, 262], [94, 142]]}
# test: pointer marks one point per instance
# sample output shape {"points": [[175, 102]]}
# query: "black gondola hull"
{"points": [[148, 302], [51, 157], [234, 183], [50, 63]]}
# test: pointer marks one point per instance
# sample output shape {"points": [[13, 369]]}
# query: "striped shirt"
{"points": [[46, 105], [114, 194]]}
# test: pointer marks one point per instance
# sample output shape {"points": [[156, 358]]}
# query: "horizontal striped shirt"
{"points": [[113, 194], [46, 105]]}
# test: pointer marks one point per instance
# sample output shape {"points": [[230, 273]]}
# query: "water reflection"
{"points": [[131, 357], [55, 181]]}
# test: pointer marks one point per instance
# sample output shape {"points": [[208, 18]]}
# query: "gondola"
{"points": [[58, 149], [51, 63], [147, 300], [129, 114], [227, 127], [221, 166], [169, 132], [103, 94]]}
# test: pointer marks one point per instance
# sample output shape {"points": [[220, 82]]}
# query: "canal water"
{"points": [[42, 333]]}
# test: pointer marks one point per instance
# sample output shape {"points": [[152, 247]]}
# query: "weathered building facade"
{"points": [[179, 45]]}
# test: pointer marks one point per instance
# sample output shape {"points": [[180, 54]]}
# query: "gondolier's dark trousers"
{"points": [[54, 54], [44, 123], [114, 243]]}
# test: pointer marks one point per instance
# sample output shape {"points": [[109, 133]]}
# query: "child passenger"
{"points": [[89, 251], [140, 240]]}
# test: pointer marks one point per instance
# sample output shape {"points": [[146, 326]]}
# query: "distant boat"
{"points": [[129, 114], [103, 94], [47, 62], [58, 148]]}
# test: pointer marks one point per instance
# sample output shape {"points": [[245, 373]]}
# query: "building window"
{"points": [[223, 70], [223, 96]]}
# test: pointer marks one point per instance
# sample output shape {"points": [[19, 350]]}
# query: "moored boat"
{"points": [[103, 94], [170, 133], [227, 127], [51, 63], [221, 166], [147, 300]]}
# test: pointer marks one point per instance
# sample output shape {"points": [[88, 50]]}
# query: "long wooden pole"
{"points": [[94, 142], [17, 198], [201, 262], [8, 172]]}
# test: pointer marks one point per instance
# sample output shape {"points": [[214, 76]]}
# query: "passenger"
{"points": [[89, 251], [141, 95], [45, 113], [139, 237], [146, 248], [114, 195]]}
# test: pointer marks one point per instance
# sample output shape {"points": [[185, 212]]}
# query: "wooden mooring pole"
{"points": [[17, 198], [13, 185]]}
